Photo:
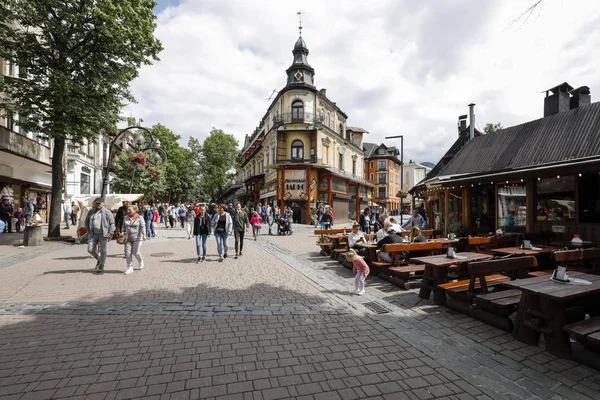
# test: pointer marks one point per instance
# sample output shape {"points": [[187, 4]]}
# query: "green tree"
{"points": [[77, 58], [216, 160], [490, 127]]}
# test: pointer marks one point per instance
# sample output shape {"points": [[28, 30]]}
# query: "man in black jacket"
{"points": [[390, 238]]}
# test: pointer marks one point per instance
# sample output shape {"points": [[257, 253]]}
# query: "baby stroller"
{"points": [[283, 227]]}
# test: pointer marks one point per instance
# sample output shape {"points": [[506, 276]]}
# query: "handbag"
{"points": [[122, 238]]}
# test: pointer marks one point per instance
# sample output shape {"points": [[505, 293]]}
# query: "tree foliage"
{"points": [[216, 160], [491, 127], [78, 58]]}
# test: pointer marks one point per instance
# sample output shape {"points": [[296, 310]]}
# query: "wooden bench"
{"points": [[399, 274], [586, 332], [586, 260], [490, 306]]}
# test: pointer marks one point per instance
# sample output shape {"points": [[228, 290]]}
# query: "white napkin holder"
{"points": [[499, 232], [451, 252], [526, 245], [560, 274], [451, 236], [576, 240]]}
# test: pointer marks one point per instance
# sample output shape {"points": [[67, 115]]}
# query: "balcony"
{"points": [[312, 160], [21, 145], [382, 182], [289, 118]]}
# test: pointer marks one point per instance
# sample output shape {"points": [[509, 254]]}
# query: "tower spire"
{"points": [[300, 22]]}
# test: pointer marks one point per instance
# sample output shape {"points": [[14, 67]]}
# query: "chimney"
{"points": [[462, 123], [580, 97], [471, 121], [557, 99], [323, 92]]}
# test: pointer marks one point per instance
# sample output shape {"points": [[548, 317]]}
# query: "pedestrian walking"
{"points": [[360, 268], [134, 227], [270, 221], [121, 214], [74, 212], [148, 216], [201, 232], [165, 215], [100, 225], [365, 221], [255, 222], [67, 210], [172, 213], [181, 212], [222, 226], [155, 219], [240, 226], [190, 218]]}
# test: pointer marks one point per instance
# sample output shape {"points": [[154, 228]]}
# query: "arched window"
{"points": [[297, 111], [297, 150], [341, 131]]}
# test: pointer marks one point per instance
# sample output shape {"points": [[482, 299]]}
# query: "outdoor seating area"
{"points": [[508, 281]]}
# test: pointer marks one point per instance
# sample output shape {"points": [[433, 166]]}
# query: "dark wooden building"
{"points": [[543, 175]]}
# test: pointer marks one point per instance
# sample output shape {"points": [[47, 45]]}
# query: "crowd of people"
{"points": [[134, 223]]}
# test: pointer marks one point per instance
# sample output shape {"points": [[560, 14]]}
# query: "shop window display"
{"points": [[512, 208], [555, 199]]}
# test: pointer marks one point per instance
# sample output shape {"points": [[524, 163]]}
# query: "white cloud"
{"points": [[394, 67]]}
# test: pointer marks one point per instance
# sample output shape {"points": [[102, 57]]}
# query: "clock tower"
{"points": [[300, 72]]}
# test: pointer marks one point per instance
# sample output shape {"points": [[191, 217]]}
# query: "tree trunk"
{"points": [[58, 180]]}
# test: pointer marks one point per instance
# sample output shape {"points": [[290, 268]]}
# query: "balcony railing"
{"points": [[382, 182], [24, 146], [294, 118]]}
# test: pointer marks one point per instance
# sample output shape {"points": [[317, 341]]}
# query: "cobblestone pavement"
{"points": [[279, 322]]}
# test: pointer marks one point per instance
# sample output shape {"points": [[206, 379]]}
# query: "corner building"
{"points": [[304, 153]]}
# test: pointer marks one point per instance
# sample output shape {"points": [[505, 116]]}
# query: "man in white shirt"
{"points": [[67, 210]]}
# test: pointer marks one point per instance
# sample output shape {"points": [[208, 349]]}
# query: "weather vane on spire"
{"points": [[300, 18]]}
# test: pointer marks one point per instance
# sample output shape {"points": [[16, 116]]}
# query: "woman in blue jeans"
{"points": [[222, 226], [201, 232]]}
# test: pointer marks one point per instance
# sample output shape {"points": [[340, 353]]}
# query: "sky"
{"points": [[406, 67]]}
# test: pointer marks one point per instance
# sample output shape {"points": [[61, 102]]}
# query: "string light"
{"points": [[539, 179], [557, 176], [580, 175]]}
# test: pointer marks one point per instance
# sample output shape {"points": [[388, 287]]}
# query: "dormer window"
{"points": [[298, 111], [341, 130]]}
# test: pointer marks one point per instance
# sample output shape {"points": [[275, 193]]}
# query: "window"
{"points": [[483, 207], [372, 164], [10, 121], [589, 193], [381, 192], [353, 167], [512, 208], [382, 165], [351, 137], [297, 150], [84, 183], [297, 111], [555, 199], [341, 130], [381, 179], [272, 155], [371, 177], [341, 162]]}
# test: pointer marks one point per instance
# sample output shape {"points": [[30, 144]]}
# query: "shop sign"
{"points": [[268, 191], [294, 185]]}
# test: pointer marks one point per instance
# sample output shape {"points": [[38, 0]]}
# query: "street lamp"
{"points": [[401, 167], [138, 143]]}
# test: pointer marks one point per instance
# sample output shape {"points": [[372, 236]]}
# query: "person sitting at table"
{"points": [[356, 236], [390, 238], [379, 224], [416, 237], [396, 225], [381, 233]]}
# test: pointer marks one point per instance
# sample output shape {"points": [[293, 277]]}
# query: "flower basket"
{"points": [[138, 160], [402, 194]]}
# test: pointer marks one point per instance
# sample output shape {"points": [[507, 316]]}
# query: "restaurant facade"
{"points": [[303, 153], [540, 176]]}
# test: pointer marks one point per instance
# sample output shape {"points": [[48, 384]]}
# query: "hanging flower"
{"points": [[138, 160], [402, 194]]}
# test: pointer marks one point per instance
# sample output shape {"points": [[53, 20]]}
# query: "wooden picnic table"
{"points": [[370, 250], [573, 246], [436, 272], [475, 242], [444, 241], [543, 309]]}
